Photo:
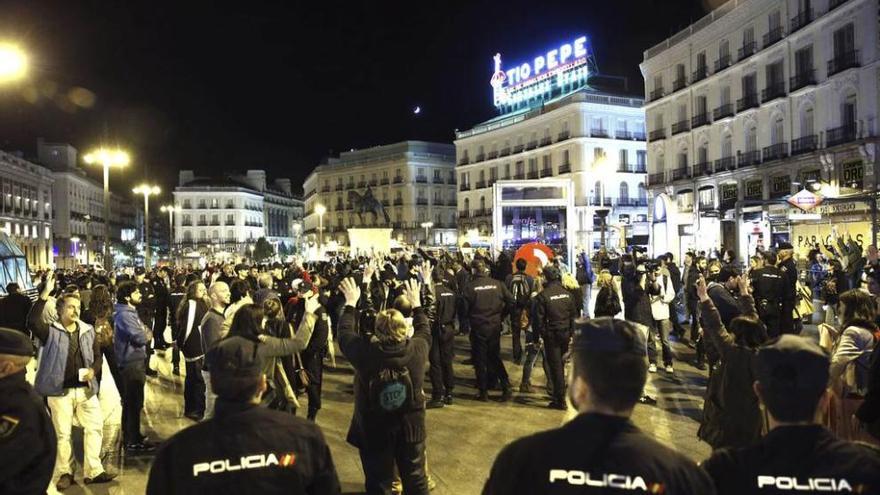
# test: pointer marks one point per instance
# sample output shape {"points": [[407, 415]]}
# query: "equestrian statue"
{"points": [[367, 204]]}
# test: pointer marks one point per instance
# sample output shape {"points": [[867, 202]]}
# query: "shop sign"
{"points": [[781, 184], [807, 235], [805, 200], [852, 175], [847, 208], [804, 216], [563, 66], [728, 194], [754, 189]]}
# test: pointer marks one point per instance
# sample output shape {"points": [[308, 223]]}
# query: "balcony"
{"points": [[773, 36], [422, 201], [747, 102], [398, 201], [215, 223], [480, 157], [657, 134], [619, 134], [324, 189], [504, 152], [203, 223], [384, 181], [678, 84], [802, 19], [532, 145], [465, 187], [802, 79], [722, 63], [725, 164], [748, 158], [638, 136], [491, 155], [374, 183], [723, 111], [701, 169], [437, 180], [546, 172], [679, 127], [631, 168], [772, 91], [546, 140], [804, 144], [776, 151], [656, 178], [463, 214], [483, 212], [398, 180], [452, 180], [518, 148], [656, 94], [362, 184], [747, 50], [840, 135], [533, 174], [421, 179], [843, 61], [632, 202], [340, 207], [681, 173], [699, 120], [481, 184], [464, 160], [565, 168], [600, 133], [519, 176], [700, 74], [600, 201], [350, 185], [187, 223], [563, 136]]}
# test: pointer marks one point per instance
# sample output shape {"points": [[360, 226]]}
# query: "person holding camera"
{"points": [[661, 293]]}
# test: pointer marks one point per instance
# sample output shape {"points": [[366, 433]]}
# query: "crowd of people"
{"points": [[252, 341]]}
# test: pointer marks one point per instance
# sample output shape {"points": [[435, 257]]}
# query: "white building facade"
{"points": [[414, 181], [749, 105], [224, 217], [597, 140], [26, 208]]}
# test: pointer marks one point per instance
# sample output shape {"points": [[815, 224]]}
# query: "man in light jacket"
{"points": [[662, 293]]}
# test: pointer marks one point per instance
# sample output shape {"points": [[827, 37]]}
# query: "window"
{"points": [[703, 154], [700, 105], [723, 50], [701, 61], [493, 174], [597, 193], [533, 165], [546, 163], [624, 192], [565, 157], [658, 122], [774, 20], [844, 41], [848, 112], [658, 82], [727, 146], [520, 169], [230, 219], [748, 36], [598, 153], [803, 60], [749, 84], [683, 159], [682, 112], [777, 131], [467, 204], [774, 74], [507, 171], [707, 198], [483, 203], [751, 138], [807, 121], [623, 159], [641, 158], [187, 236]]}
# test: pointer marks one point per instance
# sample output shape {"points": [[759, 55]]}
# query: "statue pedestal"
{"points": [[369, 241]]}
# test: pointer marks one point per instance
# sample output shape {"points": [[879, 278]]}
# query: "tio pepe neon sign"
{"points": [[568, 63]]}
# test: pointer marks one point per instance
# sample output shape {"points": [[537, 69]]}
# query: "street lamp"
{"points": [[320, 210], [147, 191], [13, 63], [602, 167], [427, 226], [170, 209], [107, 158], [88, 219], [75, 241]]}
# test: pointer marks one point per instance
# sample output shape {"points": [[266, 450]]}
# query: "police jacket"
{"points": [[27, 439], [486, 300], [555, 310], [594, 453], [368, 356], [444, 319], [768, 287], [796, 459], [245, 449], [147, 307], [789, 277]]}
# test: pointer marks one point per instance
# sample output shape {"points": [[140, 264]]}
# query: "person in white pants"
{"points": [[79, 403]]}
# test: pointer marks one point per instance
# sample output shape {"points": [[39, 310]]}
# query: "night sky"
{"points": [[278, 85]]}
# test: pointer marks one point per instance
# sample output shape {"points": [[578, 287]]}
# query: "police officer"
{"points": [[486, 300], [244, 448], [788, 270], [27, 439], [555, 311], [442, 340], [146, 311], [767, 282], [797, 454], [600, 450]]}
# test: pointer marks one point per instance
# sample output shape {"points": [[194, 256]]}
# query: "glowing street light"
{"points": [[170, 209], [147, 191], [427, 226], [13, 63], [107, 158], [320, 210], [75, 241]]}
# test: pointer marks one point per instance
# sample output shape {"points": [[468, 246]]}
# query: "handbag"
{"points": [[300, 371]]}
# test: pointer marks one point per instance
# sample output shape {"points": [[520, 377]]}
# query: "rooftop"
{"points": [[419, 149], [693, 28]]}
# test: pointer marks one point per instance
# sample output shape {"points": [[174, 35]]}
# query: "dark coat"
{"points": [[636, 302], [607, 303]]}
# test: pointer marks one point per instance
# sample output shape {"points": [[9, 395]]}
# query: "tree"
{"points": [[263, 250]]}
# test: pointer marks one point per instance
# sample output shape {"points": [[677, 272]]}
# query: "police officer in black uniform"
{"points": [[27, 439], [797, 455], [442, 340], [767, 282], [244, 448], [486, 301], [555, 311], [599, 451]]}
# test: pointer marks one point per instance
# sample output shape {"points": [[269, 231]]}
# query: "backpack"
{"points": [[391, 392], [519, 287]]}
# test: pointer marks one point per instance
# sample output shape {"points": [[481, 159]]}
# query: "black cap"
{"points": [[15, 343], [784, 245], [607, 335], [551, 272], [139, 270], [235, 366], [241, 266], [792, 363]]}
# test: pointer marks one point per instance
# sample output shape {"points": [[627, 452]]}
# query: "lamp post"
{"points": [[107, 158], [147, 191], [427, 226], [75, 241], [320, 210], [170, 209], [88, 219], [603, 167]]}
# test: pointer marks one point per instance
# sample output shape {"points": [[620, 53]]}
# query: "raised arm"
{"points": [[351, 344], [712, 324]]}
